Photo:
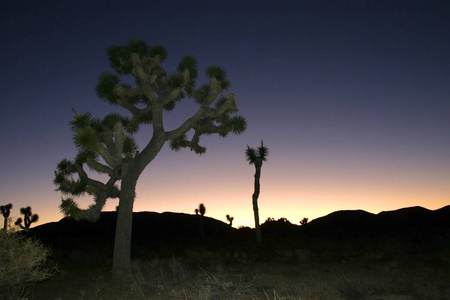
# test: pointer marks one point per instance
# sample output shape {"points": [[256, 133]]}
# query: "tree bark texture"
{"points": [[132, 171], [122, 241]]}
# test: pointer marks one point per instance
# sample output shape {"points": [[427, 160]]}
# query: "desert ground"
{"points": [[403, 254], [275, 274]]}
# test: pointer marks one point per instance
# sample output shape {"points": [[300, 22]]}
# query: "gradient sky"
{"points": [[351, 97]]}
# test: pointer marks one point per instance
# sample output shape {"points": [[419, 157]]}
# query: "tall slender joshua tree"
{"points": [[107, 145], [257, 157]]}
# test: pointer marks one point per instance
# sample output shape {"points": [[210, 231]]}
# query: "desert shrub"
{"points": [[21, 263]]}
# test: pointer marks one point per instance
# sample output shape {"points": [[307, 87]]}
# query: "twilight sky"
{"points": [[351, 97]]}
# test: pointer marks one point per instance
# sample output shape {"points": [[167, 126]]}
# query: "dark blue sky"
{"points": [[352, 98]]}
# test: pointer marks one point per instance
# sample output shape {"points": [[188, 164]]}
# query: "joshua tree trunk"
{"points": [[255, 196], [122, 241], [131, 173]]}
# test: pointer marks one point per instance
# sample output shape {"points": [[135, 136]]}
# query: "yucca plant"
{"points": [[230, 219], [201, 210], [256, 157], [6, 210], [107, 145], [28, 218]]}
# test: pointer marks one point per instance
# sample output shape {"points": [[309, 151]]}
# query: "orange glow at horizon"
{"points": [[300, 189]]}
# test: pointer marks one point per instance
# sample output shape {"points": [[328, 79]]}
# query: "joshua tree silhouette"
{"points": [[28, 218], [201, 210], [257, 157], [108, 146], [230, 219], [6, 209]]}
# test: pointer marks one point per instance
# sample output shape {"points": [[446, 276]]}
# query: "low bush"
{"points": [[21, 264]]}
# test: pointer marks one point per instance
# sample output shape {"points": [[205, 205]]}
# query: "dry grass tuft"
{"points": [[153, 276], [377, 290], [217, 286]]}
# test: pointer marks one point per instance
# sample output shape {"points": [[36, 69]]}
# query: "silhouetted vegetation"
{"points": [[22, 262], [201, 210], [280, 220], [107, 145], [353, 254], [256, 157], [6, 210], [304, 221], [230, 219], [28, 218]]}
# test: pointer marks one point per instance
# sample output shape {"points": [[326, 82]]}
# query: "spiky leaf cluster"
{"points": [[155, 90], [257, 155], [103, 146], [69, 207]]}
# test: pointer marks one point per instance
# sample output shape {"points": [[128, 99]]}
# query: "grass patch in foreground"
{"points": [[360, 289]]}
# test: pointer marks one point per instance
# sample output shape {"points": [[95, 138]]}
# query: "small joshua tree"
{"points": [[201, 210], [257, 157], [230, 219], [28, 218], [304, 221], [6, 209]]}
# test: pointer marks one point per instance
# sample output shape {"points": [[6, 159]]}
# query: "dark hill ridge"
{"points": [[150, 229], [361, 221], [145, 224], [159, 230], [414, 228]]}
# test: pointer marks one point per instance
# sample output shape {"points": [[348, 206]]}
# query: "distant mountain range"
{"points": [[414, 226], [406, 221]]}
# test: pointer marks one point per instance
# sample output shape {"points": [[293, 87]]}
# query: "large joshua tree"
{"points": [[257, 157], [107, 145]]}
